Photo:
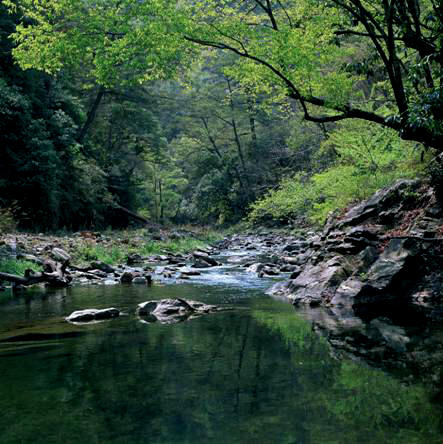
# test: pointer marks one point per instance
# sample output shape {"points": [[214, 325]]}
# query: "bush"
{"points": [[367, 158]]}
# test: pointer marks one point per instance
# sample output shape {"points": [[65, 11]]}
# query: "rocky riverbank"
{"points": [[77, 257], [371, 282]]}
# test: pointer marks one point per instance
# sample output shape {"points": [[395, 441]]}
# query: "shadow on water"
{"points": [[258, 373]]}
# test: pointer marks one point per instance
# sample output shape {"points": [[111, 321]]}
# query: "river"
{"points": [[256, 373]]}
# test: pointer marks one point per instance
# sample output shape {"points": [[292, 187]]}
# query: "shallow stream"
{"points": [[256, 373]]}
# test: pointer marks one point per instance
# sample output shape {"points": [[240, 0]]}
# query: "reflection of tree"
{"points": [[362, 404], [228, 377]]}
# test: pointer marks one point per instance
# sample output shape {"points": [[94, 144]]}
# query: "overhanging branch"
{"points": [[346, 111]]}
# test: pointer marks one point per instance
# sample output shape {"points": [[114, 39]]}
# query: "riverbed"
{"points": [[256, 372]]}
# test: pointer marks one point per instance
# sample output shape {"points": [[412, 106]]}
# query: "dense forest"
{"points": [[207, 112]]}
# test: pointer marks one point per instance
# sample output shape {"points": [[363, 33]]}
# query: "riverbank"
{"points": [[94, 256]]}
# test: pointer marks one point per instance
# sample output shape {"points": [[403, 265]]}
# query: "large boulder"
{"points": [[202, 256], [390, 276], [316, 283], [93, 314]]}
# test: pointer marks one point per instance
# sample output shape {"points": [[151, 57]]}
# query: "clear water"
{"points": [[253, 374]]}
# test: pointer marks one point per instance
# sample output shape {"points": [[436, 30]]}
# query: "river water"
{"points": [[256, 373]]}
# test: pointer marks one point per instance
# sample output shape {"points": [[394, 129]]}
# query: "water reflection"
{"points": [[256, 374]]}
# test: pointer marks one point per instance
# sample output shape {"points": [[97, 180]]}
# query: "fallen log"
{"points": [[137, 217]]}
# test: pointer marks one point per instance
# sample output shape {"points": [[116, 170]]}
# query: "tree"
{"points": [[319, 52], [116, 43], [325, 54]]}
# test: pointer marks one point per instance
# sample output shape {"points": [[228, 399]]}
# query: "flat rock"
{"points": [[93, 314]]}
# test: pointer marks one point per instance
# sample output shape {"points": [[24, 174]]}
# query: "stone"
{"points": [[60, 255], [189, 272], [367, 257], [202, 256], [133, 259], [126, 277], [317, 283], [93, 314], [297, 247], [169, 311], [255, 268], [295, 273], [382, 200], [397, 258], [100, 265], [394, 336], [140, 280], [200, 264], [347, 292], [98, 273]]}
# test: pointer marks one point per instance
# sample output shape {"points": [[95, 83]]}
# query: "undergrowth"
{"points": [[117, 252], [17, 266], [367, 158]]}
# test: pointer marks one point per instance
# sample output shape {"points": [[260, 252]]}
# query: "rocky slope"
{"points": [[389, 247]]}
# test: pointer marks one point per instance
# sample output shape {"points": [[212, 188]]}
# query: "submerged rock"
{"points": [[93, 314]]}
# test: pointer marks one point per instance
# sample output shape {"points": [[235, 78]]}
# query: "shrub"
{"points": [[367, 158]]}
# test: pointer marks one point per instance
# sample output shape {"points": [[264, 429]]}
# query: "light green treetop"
{"points": [[116, 41]]}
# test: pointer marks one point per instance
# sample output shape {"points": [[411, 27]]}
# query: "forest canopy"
{"points": [[190, 111]]}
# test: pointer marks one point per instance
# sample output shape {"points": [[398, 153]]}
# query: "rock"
{"points": [[126, 277], [140, 280], [292, 260], [382, 200], [317, 283], [133, 259], [100, 265], [297, 247], [287, 268], [60, 255], [255, 268], [168, 311], [346, 293], [398, 260], [238, 259], [93, 314], [269, 271], [367, 257], [202, 256], [200, 264], [394, 336], [98, 273], [183, 276], [189, 272], [295, 273]]}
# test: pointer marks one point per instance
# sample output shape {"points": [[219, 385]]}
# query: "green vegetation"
{"points": [[18, 266], [116, 251], [192, 111], [367, 158], [348, 387]]}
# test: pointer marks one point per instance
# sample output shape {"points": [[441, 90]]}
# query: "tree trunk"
{"points": [[91, 115]]}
